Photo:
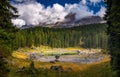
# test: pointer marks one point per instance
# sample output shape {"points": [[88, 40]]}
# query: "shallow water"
{"points": [[89, 58]]}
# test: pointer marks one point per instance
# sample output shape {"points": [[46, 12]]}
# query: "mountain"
{"points": [[70, 21]]}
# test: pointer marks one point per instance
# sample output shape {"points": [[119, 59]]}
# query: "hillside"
{"points": [[87, 36]]}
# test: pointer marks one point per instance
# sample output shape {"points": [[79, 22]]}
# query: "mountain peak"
{"points": [[71, 22]]}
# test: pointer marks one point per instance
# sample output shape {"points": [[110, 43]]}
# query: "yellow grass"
{"points": [[20, 55], [71, 48], [47, 49]]}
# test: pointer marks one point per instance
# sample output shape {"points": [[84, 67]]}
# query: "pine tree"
{"points": [[6, 34], [6, 28], [113, 20]]}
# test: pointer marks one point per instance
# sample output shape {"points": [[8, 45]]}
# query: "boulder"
{"points": [[57, 68], [33, 56]]}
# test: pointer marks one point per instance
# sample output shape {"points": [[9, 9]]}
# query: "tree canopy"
{"points": [[113, 20], [6, 34], [87, 36], [6, 28]]}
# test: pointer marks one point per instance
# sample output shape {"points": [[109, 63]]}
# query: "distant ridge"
{"points": [[70, 22]]}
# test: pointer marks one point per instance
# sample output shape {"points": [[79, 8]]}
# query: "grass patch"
{"points": [[20, 55]]}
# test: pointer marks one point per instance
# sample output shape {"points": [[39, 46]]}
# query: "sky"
{"points": [[34, 12]]}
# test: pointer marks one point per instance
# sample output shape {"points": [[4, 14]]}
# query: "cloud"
{"points": [[84, 1], [18, 22], [91, 1], [33, 13], [95, 1], [102, 11], [80, 10]]}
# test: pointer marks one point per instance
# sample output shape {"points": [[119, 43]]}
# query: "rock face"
{"points": [[71, 22], [70, 18], [90, 20]]}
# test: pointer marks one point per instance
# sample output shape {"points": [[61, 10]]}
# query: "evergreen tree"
{"points": [[6, 28], [113, 20], [6, 34], [89, 36]]}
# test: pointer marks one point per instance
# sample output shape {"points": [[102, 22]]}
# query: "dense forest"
{"points": [[88, 36], [113, 20]]}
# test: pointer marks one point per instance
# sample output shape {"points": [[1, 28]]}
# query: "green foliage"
{"points": [[113, 20], [3, 70], [6, 28], [88, 36], [6, 34], [30, 71]]}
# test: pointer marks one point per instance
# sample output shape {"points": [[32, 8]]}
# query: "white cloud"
{"points": [[18, 22], [80, 10], [102, 11], [84, 1], [34, 13], [95, 1]]}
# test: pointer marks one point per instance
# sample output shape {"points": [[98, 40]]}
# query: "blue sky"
{"points": [[95, 7], [33, 12], [62, 2]]}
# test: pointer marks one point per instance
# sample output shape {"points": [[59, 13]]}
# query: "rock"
{"points": [[78, 52], [52, 62], [34, 56], [17, 71], [42, 54], [57, 58], [57, 68]]}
